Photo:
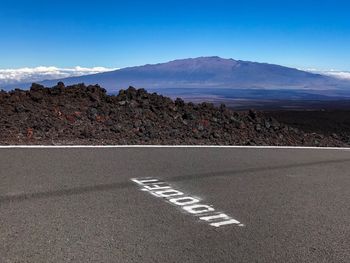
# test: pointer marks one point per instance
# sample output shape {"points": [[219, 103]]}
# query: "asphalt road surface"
{"points": [[80, 205]]}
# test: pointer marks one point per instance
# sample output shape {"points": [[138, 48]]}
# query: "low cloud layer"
{"points": [[332, 73], [22, 75], [339, 74]]}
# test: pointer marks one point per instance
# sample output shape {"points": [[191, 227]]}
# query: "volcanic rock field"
{"points": [[80, 114]]}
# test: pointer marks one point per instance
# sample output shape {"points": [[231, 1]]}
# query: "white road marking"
{"points": [[167, 146], [189, 204], [169, 193], [180, 201], [198, 209]]}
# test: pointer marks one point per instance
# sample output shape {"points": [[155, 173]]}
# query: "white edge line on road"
{"points": [[167, 146]]}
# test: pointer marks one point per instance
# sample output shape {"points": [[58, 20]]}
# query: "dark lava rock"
{"points": [[36, 87], [258, 128], [36, 96], [80, 114], [188, 116], [19, 108], [179, 102]]}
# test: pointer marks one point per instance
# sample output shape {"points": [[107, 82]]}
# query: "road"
{"points": [[81, 205]]}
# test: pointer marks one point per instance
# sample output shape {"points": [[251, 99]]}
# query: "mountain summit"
{"points": [[208, 72]]}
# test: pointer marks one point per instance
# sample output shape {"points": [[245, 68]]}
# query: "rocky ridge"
{"points": [[80, 114]]}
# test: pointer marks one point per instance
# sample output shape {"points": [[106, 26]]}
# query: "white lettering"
{"points": [[228, 220], [158, 186], [223, 223], [190, 204], [215, 217], [184, 201], [198, 209], [169, 193], [143, 181]]}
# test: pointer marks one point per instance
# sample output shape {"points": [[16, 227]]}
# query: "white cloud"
{"points": [[338, 74], [332, 73], [21, 75]]}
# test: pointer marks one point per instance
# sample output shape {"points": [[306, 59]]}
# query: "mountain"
{"points": [[208, 72]]}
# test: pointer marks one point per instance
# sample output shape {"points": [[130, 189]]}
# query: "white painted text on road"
{"points": [[189, 204]]}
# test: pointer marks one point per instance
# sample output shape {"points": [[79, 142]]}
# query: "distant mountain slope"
{"points": [[208, 72]]}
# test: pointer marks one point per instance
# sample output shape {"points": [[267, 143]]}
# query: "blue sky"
{"points": [[304, 34]]}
